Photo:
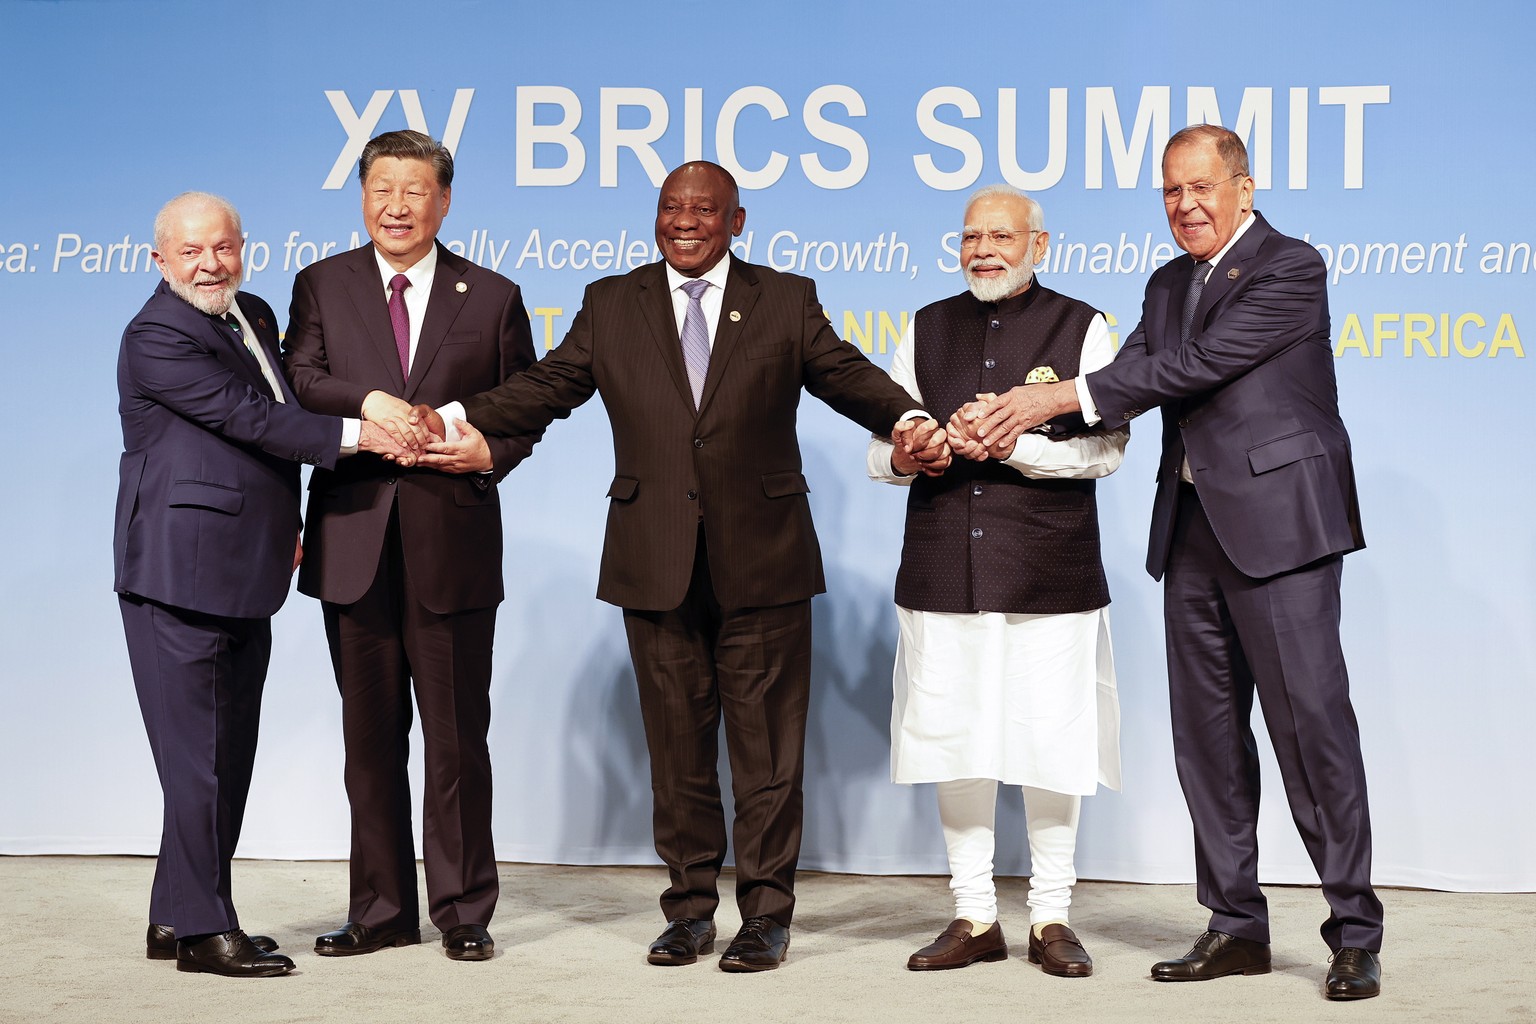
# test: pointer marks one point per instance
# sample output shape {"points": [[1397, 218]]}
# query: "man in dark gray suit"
{"points": [[710, 551], [1255, 510]]}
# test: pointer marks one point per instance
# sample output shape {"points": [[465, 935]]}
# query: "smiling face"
{"points": [[403, 206], [696, 217], [998, 270], [1203, 226], [199, 255]]}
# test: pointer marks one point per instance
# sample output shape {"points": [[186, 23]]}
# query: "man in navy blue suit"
{"points": [[205, 541], [1254, 512]]}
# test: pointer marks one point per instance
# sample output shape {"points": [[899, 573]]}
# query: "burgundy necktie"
{"points": [[400, 320]]}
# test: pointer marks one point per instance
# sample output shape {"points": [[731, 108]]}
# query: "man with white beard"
{"points": [[1004, 671], [206, 539]]}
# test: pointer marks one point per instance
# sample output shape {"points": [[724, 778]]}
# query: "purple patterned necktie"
{"points": [[400, 320], [696, 338]]}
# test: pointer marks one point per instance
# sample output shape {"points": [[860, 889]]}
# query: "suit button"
{"points": [[976, 533], [976, 489], [698, 442], [389, 480], [996, 324], [693, 495], [1184, 422], [990, 364]]}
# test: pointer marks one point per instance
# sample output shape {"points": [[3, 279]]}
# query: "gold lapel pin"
{"points": [[461, 287], [735, 317], [261, 321], [1232, 274]]}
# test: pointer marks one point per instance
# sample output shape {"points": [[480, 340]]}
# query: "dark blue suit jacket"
{"points": [[1252, 400], [208, 493]]}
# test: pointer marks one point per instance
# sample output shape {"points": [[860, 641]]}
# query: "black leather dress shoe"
{"points": [[760, 945], [958, 946], [160, 942], [1058, 952], [468, 942], [353, 939], [231, 954], [682, 942], [1215, 955], [1354, 973]]}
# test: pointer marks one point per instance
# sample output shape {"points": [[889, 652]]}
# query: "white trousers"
{"points": [[968, 812]]}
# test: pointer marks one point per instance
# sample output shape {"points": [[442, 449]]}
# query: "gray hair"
{"points": [[163, 218], [1229, 145], [1034, 216]]}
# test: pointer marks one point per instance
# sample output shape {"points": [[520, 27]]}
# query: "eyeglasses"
{"points": [[1001, 239], [1200, 189]]}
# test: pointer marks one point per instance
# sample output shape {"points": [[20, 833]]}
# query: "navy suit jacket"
{"points": [[208, 491], [734, 464], [1251, 399]]}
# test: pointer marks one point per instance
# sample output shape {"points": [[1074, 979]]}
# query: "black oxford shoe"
{"points": [[1215, 955], [353, 939], [1353, 973], [760, 945], [160, 942], [469, 942], [230, 954], [682, 942]]}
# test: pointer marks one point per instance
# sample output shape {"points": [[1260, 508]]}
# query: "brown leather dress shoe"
{"points": [[230, 954], [681, 943], [1353, 973], [760, 945], [353, 939], [956, 946], [160, 942], [469, 942], [1215, 955], [1058, 952]]}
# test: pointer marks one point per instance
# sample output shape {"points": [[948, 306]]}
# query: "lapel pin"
{"points": [[735, 317], [1232, 274], [261, 321], [461, 287]]}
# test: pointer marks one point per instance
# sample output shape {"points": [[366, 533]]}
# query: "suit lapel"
{"points": [[656, 306], [1233, 270], [741, 291], [266, 337], [449, 293], [366, 290]]}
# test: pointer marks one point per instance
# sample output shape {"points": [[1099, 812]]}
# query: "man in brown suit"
{"points": [[407, 562], [710, 550]]}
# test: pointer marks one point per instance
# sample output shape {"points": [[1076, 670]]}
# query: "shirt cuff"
{"points": [[1085, 401], [450, 412], [351, 432]]}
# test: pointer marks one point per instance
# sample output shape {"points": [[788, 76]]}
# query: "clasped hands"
{"points": [[989, 427], [416, 436]]}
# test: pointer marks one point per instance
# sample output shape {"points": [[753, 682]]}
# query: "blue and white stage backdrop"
{"points": [[1397, 137]]}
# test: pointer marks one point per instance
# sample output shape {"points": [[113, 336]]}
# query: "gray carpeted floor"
{"points": [[571, 944]]}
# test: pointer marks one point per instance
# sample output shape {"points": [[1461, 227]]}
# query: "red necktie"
{"points": [[400, 320]]}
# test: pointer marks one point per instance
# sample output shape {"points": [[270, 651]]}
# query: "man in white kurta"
{"points": [[1004, 671]]}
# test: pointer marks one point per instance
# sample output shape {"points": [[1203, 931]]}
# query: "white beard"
{"points": [[995, 289], [213, 303]]}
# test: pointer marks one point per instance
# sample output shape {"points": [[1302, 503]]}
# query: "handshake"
{"points": [[417, 436], [924, 446]]}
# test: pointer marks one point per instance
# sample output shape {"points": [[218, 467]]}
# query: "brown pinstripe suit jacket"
{"points": [[734, 464]]}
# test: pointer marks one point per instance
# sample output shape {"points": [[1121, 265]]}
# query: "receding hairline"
{"points": [[188, 199], [722, 175], [1034, 216], [1227, 143]]}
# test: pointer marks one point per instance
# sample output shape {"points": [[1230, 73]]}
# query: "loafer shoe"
{"points": [[353, 939], [1215, 955], [681, 943], [958, 946], [1058, 952]]}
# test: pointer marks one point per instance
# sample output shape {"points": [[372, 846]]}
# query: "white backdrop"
{"points": [[858, 130]]}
